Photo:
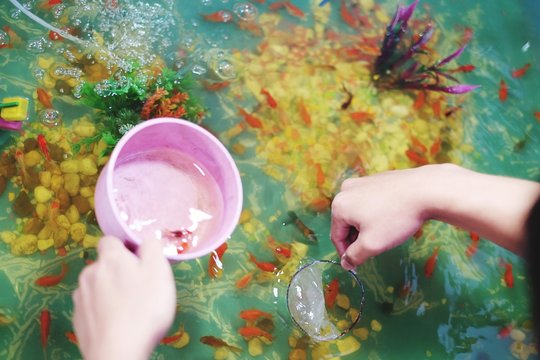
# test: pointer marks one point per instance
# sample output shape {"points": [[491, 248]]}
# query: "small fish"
{"points": [[504, 332], [174, 337], [467, 35], [281, 250], [70, 335], [420, 100], [215, 266], [360, 117], [254, 314], [304, 113], [287, 5], [330, 293], [264, 266], [19, 157], [250, 119], [537, 115], [215, 86], [418, 159], [429, 266], [44, 98], [269, 99], [508, 275], [345, 105], [50, 3], [320, 175], [347, 16], [308, 233], [51, 280], [42, 143], [418, 234], [181, 238], [45, 325], [503, 91], [473, 247], [435, 147], [521, 71], [218, 343], [54, 36], [222, 16], [251, 331], [244, 281], [436, 107], [463, 68]]}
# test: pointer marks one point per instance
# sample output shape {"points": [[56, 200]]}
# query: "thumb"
{"points": [[151, 251], [357, 253]]}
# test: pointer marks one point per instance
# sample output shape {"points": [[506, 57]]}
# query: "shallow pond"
{"points": [[293, 98]]}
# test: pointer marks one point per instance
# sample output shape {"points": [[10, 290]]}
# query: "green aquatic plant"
{"points": [[128, 98], [397, 68]]}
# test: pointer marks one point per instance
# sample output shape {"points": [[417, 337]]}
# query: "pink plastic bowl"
{"points": [[190, 139]]}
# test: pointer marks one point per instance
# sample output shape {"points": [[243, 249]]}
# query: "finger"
{"points": [[151, 251], [357, 253]]}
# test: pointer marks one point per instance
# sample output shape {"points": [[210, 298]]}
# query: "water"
{"points": [[182, 205], [455, 314]]}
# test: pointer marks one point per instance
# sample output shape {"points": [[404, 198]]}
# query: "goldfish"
{"points": [[320, 175], [508, 275], [264, 266], [44, 98], [45, 325], [269, 99], [330, 293], [345, 105], [54, 36], [435, 147], [215, 266], [420, 100], [217, 343], [250, 119], [347, 16], [47, 4], [418, 234], [473, 247], [279, 249], [521, 71], [503, 91], [222, 16], [174, 337], [291, 9], [360, 117], [504, 331], [304, 114], [70, 335], [537, 115], [467, 35], [436, 107], [254, 314], [463, 68], [51, 280], [417, 158], [19, 157], [244, 281], [42, 143], [308, 233], [429, 266], [215, 86], [251, 331]]}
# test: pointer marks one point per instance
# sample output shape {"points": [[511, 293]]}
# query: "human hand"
{"points": [[376, 213], [124, 304]]}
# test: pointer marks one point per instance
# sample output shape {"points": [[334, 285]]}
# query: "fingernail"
{"points": [[345, 263]]}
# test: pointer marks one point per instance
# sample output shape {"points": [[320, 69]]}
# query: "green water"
{"points": [[456, 314]]}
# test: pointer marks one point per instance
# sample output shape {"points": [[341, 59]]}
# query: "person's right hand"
{"points": [[124, 304], [376, 213]]}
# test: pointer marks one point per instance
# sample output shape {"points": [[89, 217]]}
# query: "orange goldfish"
{"points": [[45, 325], [508, 275], [215, 86], [252, 121], [244, 281], [463, 68], [218, 343], [51, 280], [503, 91], [304, 114], [330, 293], [251, 331], [264, 266], [429, 266], [215, 266], [222, 16], [42, 143], [44, 98], [254, 314], [520, 72], [269, 99]]}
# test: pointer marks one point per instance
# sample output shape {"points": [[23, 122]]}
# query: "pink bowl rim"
{"points": [[229, 228]]}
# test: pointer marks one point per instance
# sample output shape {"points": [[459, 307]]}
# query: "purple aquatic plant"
{"points": [[396, 66]]}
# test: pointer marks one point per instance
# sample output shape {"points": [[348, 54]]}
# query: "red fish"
{"points": [[45, 325], [251, 331], [503, 91], [44, 98], [304, 114], [218, 343], [504, 331], [54, 36], [418, 234], [360, 117], [215, 86], [420, 100], [347, 16], [222, 16], [42, 143], [467, 35], [254, 314], [264, 266], [320, 175], [215, 266], [508, 275], [269, 99], [330, 293], [252, 121], [537, 115], [520, 72], [429, 266], [244, 281], [279, 249], [416, 157], [291, 9], [51, 280], [435, 147], [473, 247], [436, 107], [51, 3], [70, 335], [463, 68], [174, 337]]}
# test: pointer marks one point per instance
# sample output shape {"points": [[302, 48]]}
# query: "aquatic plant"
{"points": [[396, 67], [127, 98]]}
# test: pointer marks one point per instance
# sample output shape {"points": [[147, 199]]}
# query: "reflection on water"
{"points": [[292, 97]]}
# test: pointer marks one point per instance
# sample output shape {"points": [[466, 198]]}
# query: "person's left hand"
{"points": [[124, 304]]}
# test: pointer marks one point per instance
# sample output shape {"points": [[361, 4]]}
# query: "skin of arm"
{"points": [[125, 303], [376, 213]]}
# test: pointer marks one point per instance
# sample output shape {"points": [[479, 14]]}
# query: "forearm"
{"points": [[495, 207]]}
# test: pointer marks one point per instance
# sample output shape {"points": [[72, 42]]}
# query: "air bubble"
{"points": [[38, 73], [4, 38], [37, 45], [198, 70], [50, 117], [245, 11]]}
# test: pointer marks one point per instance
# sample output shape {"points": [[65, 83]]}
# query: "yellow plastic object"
{"points": [[15, 113]]}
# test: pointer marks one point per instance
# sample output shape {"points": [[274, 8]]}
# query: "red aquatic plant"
{"points": [[164, 104], [397, 68]]}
